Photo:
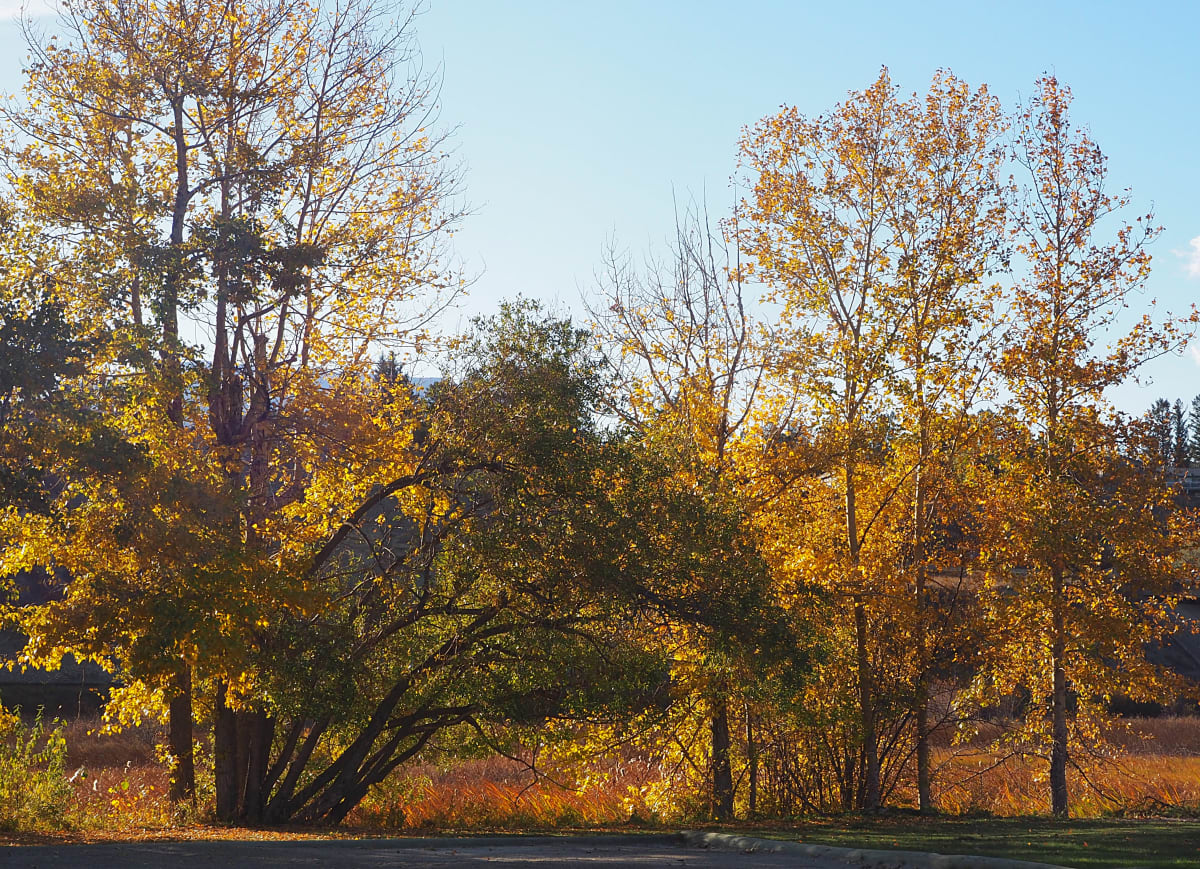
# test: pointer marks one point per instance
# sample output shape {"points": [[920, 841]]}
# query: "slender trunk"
{"points": [[722, 771], [920, 626], [921, 702], [751, 764], [866, 700], [921, 698], [924, 765], [1058, 749], [179, 710], [174, 278], [866, 690], [183, 778]]}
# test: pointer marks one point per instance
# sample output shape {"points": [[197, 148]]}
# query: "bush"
{"points": [[34, 791]]}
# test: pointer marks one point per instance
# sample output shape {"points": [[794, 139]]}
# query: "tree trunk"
{"points": [[921, 602], [225, 757], [921, 699], [866, 701], [722, 772], [1059, 798], [924, 771], [752, 765], [866, 689], [256, 731], [179, 711]]}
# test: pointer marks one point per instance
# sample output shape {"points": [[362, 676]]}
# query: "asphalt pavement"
{"points": [[543, 852]]}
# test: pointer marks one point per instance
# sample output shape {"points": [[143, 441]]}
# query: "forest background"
{"points": [[788, 552]]}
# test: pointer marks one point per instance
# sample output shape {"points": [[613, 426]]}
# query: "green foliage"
{"points": [[34, 791]]}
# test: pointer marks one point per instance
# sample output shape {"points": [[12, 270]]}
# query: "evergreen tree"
{"points": [[1193, 442], [1162, 429], [1179, 438]]}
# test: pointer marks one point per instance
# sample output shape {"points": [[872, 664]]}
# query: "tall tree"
{"points": [[948, 234], [689, 359], [1162, 428], [1097, 560], [1179, 435], [1193, 435], [875, 226], [262, 172]]}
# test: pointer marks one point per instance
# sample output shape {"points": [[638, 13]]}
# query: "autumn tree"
{"points": [[948, 234], [1083, 557], [876, 227], [689, 355], [476, 589], [262, 172]]}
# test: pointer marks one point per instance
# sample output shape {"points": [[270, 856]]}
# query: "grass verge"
{"points": [[1092, 843]]}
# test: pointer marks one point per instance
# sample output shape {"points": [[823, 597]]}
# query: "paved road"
{"points": [[587, 852]]}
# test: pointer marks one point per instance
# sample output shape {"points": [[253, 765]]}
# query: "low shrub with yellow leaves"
{"points": [[34, 792]]}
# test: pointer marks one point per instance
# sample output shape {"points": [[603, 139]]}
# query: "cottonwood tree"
{"points": [[478, 588], [266, 172], [876, 226], [1084, 554], [948, 236]]}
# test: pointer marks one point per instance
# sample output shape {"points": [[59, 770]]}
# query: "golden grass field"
{"points": [[119, 784]]}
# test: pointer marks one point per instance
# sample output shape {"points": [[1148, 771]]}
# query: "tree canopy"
{"points": [[780, 543]]}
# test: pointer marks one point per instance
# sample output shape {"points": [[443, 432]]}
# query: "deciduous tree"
{"points": [[689, 358], [1084, 557], [265, 172], [876, 227]]}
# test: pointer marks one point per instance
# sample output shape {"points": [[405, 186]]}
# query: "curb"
{"points": [[863, 857]]}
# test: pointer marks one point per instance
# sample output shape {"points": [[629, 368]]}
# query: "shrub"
{"points": [[34, 791]]}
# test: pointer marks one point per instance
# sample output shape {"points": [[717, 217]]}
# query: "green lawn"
{"points": [[1088, 844]]}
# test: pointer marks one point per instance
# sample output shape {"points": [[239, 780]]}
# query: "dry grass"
{"points": [[117, 784], [1154, 769], [88, 747], [498, 793], [117, 780], [985, 783], [1168, 736], [132, 797]]}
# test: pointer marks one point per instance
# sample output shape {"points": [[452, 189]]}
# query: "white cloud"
{"points": [[1194, 351], [1191, 257]]}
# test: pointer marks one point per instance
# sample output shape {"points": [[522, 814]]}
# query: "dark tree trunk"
{"points": [[1059, 797], [866, 700], [179, 738], [752, 765], [225, 757], [722, 771], [256, 731], [242, 757]]}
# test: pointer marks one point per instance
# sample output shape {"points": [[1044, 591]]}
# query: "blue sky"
{"points": [[578, 122]]}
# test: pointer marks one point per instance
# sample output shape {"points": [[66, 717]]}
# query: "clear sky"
{"points": [[578, 122]]}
